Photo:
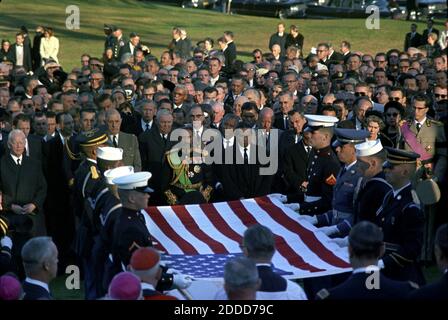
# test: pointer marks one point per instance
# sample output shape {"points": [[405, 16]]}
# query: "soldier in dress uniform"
{"points": [[401, 219], [190, 179], [372, 187], [130, 230], [365, 247], [323, 166], [340, 218], [87, 178], [118, 41]]}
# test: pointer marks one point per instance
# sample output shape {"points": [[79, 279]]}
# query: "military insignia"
{"points": [[331, 180], [91, 133], [428, 148], [94, 172], [399, 197], [133, 246], [190, 174], [197, 169]]}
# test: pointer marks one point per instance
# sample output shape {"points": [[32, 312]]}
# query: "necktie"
{"points": [[418, 126], [246, 157], [227, 144], [198, 138], [267, 138], [18, 162], [115, 142], [285, 119], [344, 170], [147, 127]]}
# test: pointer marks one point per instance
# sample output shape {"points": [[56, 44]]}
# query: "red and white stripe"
{"points": [[219, 227]]}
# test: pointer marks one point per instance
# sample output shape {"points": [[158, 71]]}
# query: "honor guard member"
{"points": [[191, 178], [323, 166], [401, 219], [365, 247], [107, 158], [118, 41], [372, 187], [339, 220], [130, 230]]}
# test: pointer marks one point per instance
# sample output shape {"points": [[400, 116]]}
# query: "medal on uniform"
{"points": [[197, 169]]}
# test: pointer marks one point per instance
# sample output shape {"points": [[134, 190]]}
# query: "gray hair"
{"points": [[162, 112], [35, 252], [259, 242], [217, 106], [240, 273], [13, 134], [111, 112]]}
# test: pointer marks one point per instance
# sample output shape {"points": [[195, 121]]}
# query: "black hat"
{"points": [[133, 35], [353, 136], [365, 238], [107, 27], [92, 138], [397, 156], [113, 28]]}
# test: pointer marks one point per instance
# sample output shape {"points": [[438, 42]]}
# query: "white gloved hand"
{"points": [[279, 196], [381, 264], [6, 242], [309, 219], [293, 206], [329, 230], [182, 281], [342, 242]]}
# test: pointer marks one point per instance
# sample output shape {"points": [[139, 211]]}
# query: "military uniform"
{"points": [[117, 44], [323, 168], [190, 182]]}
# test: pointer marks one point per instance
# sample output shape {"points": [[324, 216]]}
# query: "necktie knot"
{"points": [[115, 142], [147, 127], [18, 161], [418, 126]]}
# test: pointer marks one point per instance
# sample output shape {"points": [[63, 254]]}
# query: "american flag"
{"points": [[199, 239]]}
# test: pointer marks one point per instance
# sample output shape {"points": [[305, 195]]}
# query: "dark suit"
{"points": [[354, 288], [27, 58], [294, 42], [244, 180], [415, 41], [35, 292], [35, 147], [279, 121], [230, 55], [127, 49], [131, 154], [295, 163], [152, 151], [437, 290], [335, 57], [36, 50]]}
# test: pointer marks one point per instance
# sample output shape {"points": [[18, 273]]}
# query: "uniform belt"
{"points": [[312, 198], [189, 186]]}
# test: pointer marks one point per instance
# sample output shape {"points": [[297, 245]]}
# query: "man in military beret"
{"points": [[401, 219], [365, 247]]}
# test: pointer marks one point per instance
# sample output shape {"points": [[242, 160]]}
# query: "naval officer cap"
{"points": [[353, 136], [368, 148], [122, 171], [110, 153], [316, 122], [397, 157], [136, 181]]}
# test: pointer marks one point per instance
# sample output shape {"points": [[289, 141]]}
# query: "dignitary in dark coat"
{"points": [[23, 189], [413, 38], [40, 260], [33, 143], [323, 166], [365, 247], [438, 289], [243, 177], [401, 219]]}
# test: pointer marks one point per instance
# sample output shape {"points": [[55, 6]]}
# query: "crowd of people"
{"points": [[357, 142]]}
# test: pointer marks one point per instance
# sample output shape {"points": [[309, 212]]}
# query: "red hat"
{"points": [[10, 288], [125, 286], [144, 259]]}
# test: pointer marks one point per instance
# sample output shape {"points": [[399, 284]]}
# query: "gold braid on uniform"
{"points": [[71, 154], [180, 167]]}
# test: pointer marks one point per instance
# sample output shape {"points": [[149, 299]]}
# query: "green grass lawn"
{"points": [[154, 22]]}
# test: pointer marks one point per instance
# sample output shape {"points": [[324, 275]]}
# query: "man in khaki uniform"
{"points": [[426, 137]]}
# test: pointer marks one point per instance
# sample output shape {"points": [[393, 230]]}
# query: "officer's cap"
{"points": [[111, 174], [368, 148], [397, 156], [353, 136], [133, 35], [110, 153], [92, 138], [136, 181], [144, 259], [107, 27], [316, 122]]}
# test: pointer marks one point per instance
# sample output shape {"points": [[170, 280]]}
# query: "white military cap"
{"points": [[316, 122], [368, 148], [118, 172], [136, 181], [110, 153]]}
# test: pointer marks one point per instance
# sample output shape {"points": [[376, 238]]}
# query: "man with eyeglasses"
{"points": [[257, 54], [361, 105], [323, 51], [397, 94], [440, 93], [382, 94], [381, 60]]}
